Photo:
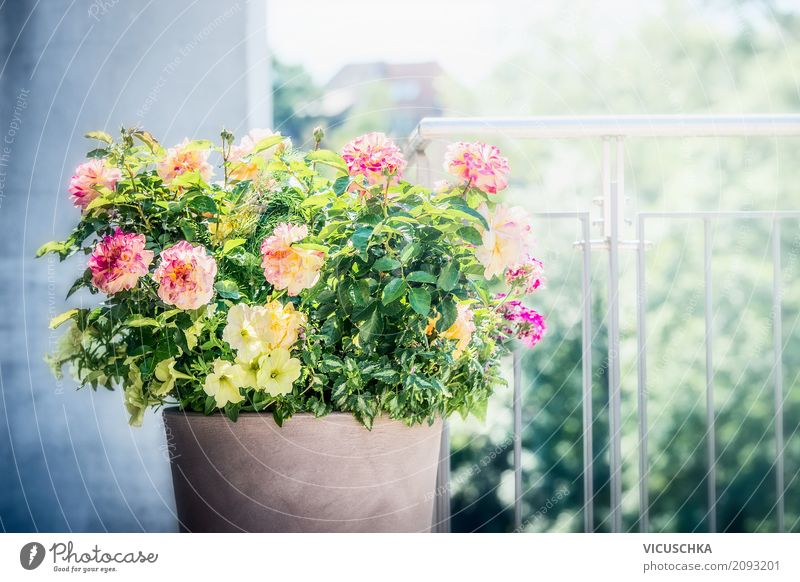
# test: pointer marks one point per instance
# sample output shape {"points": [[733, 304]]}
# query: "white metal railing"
{"points": [[612, 131]]}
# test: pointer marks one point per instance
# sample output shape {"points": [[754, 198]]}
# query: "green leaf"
{"points": [[341, 185], [98, 202], [421, 277], [448, 312], [467, 212], [227, 289], [361, 238], [197, 145], [267, 143], [52, 247], [409, 252], [470, 235], [420, 300], [147, 138], [394, 290], [203, 204], [448, 277], [64, 317], [99, 135], [142, 322], [232, 244], [311, 246], [328, 158], [370, 328], [188, 179], [97, 153], [386, 264]]}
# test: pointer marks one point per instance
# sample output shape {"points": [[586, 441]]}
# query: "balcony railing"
{"points": [[612, 132]]}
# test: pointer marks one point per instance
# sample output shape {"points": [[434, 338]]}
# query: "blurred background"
{"points": [[69, 461]]}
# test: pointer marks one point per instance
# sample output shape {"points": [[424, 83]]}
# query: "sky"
{"points": [[466, 37]]}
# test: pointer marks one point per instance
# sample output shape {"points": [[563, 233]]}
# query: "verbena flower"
{"points": [[527, 324], [277, 372], [507, 241], [180, 160], [288, 267], [119, 261], [526, 277], [88, 176], [224, 383], [374, 157], [185, 276], [478, 164]]}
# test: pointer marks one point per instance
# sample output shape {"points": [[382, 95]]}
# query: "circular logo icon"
{"points": [[31, 555]]}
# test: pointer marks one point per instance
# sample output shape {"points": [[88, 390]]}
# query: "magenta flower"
{"points": [[374, 157], [527, 276], [477, 164], [185, 276], [88, 176], [119, 261], [525, 324], [288, 267]]}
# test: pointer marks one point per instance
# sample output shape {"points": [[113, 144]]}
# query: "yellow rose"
{"points": [[462, 329]]}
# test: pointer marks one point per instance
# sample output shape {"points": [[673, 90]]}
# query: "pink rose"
{"points": [[89, 175], [478, 164], [118, 261], [185, 276], [248, 169], [374, 157], [288, 267], [179, 160]]}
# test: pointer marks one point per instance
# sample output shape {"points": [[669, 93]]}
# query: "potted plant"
{"points": [[306, 319]]}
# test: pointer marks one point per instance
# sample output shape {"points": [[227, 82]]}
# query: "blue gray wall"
{"points": [[68, 460]]}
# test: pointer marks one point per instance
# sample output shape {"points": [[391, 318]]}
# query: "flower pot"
{"points": [[310, 475]]}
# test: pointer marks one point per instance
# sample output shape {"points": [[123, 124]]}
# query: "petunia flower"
{"points": [[224, 383], [277, 372]]}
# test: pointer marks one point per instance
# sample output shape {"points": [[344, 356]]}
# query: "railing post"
{"points": [[517, 439], [711, 447], [613, 184], [641, 333], [586, 364], [777, 330]]}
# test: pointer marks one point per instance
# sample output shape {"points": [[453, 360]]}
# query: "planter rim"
{"points": [[176, 411], [217, 417]]}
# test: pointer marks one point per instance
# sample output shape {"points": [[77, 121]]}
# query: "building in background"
{"points": [[395, 95]]}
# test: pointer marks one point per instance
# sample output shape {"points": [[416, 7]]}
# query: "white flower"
{"points": [[224, 383], [277, 372], [241, 331], [507, 241]]}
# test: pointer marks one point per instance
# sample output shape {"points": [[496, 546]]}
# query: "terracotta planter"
{"points": [[311, 475]]}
